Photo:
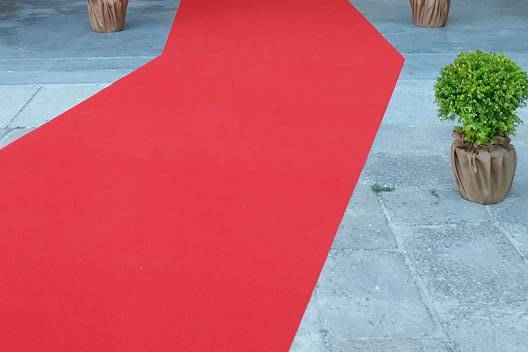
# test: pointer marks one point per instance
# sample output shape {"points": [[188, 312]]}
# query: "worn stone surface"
{"points": [[432, 207], [52, 100], [412, 104], [368, 294], [402, 139], [466, 265], [490, 329], [12, 100], [392, 345], [409, 171], [493, 25], [63, 49], [512, 216], [364, 225]]}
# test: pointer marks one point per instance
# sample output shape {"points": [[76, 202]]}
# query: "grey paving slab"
{"points": [[491, 329], [8, 136], [51, 41], [393, 345], [51, 101], [364, 225], [68, 70], [512, 214], [432, 207], [498, 25], [12, 100], [513, 217], [409, 171], [406, 138], [466, 266], [60, 29], [520, 182], [426, 66], [62, 77], [412, 103], [370, 294]]}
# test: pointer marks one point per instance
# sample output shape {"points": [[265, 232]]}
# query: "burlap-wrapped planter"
{"points": [[107, 15], [483, 174], [430, 13]]}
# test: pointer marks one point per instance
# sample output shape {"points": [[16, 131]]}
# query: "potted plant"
{"points": [[430, 13], [481, 92], [107, 15]]}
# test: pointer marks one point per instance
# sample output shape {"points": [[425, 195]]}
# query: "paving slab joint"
{"points": [[506, 234], [376, 249], [422, 291], [23, 107]]}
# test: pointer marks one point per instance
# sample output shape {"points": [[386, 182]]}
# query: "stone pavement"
{"points": [[43, 42], [418, 269], [415, 269]]}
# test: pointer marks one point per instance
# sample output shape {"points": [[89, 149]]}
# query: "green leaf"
{"points": [[482, 92]]}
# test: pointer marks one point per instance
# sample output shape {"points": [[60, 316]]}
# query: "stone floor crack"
{"points": [[507, 234], [424, 294], [24, 106]]}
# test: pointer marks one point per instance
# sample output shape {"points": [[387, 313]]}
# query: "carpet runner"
{"points": [[190, 206]]}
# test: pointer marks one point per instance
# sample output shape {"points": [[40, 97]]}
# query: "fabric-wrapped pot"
{"points": [[107, 15], [430, 13], [483, 174]]}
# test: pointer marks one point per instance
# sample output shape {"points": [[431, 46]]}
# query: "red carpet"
{"points": [[191, 205]]}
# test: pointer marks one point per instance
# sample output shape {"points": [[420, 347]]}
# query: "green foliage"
{"points": [[482, 92], [376, 188]]}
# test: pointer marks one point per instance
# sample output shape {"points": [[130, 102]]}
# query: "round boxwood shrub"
{"points": [[482, 92]]}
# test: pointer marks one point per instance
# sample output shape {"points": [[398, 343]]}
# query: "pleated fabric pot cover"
{"points": [[430, 13], [483, 174], [107, 15]]}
